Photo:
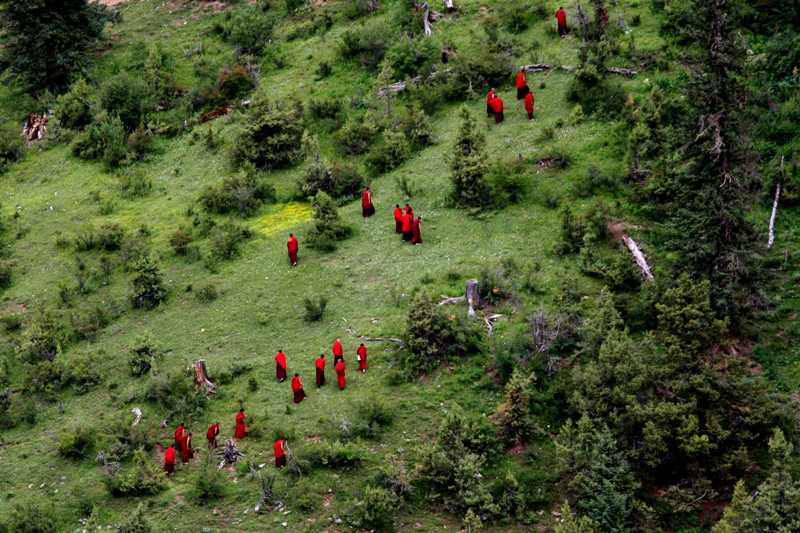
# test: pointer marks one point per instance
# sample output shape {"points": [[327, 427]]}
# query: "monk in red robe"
{"points": [[491, 95], [338, 351], [497, 107], [408, 210], [521, 84], [367, 209], [241, 428], [280, 366], [280, 453], [297, 389], [186, 448], [416, 231], [398, 219], [180, 431], [529, 104], [169, 460], [320, 366], [362, 358], [340, 374], [211, 435], [293, 247], [408, 226], [561, 19]]}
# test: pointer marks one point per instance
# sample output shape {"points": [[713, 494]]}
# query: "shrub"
{"points": [[12, 147], [143, 478], [390, 154], [416, 126], [411, 57], [208, 484], [507, 182], [136, 522], [365, 44], [433, 337], [374, 510], [592, 182], [328, 227], [108, 237], [325, 108], [32, 517], [207, 293], [332, 455], [355, 137], [595, 94], [180, 241], [142, 355], [147, 285], [177, 394], [127, 97], [243, 194], [227, 240], [249, 28], [75, 443], [106, 140], [83, 374], [359, 8], [43, 338], [314, 308], [140, 143], [6, 268], [572, 231], [235, 83], [338, 181], [515, 15], [88, 322], [45, 377], [514, 419], [272, 136], [468, 165], [73, 109]]}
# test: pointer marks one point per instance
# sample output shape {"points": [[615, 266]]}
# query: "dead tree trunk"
{"points": [[773, 216], [201, 377], [137, 416], [472, 295], [638, 256], [449, 5], [544, 67]]}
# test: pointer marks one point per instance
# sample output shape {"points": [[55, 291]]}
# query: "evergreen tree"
{"points": [[47, 42], [147, 286], [514, 416], [136, 523], [570, 523], [328, 226], [468, 165]]}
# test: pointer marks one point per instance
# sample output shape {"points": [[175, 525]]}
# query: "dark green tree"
{"points": [[47, 42], [147, 285], [136, 522], [328, 226], [468, 165], [272, 136]]}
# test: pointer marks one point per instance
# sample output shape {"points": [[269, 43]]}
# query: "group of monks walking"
{"points": [[494, 104]]}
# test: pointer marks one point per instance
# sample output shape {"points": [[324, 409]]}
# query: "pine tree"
{"points": [[136, 523], [147, 286], [570, 523], [328, 226], [514, 416], [468, 165]]}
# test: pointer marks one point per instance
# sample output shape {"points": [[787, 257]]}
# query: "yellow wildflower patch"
{"points": [[282, 217]]}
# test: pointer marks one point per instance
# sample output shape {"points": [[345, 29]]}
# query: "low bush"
{"points": [[227, 240], [180, 241], [88, 321], [43, 338], [234, 83], [76, 443], [177, 394], [592, 182], [411, 57], [332, 455], [314, 308], [374, 510], [73, 109], [32, 517], [12, 147], [6, 278], [355, 137], [271, 137], [142, 478], [105, 140], [508, 183], [597, 95], [127, 97], [134, 184], [389, 154], [328, 227], [207, 293], [142, 355], [249, 28], [147, 285], [243, 194], [340, 181], [416, 126], [365, 44], [325, 108], [515, 15], [83, 373], [136, 522], [208, 484], [45, 377]]}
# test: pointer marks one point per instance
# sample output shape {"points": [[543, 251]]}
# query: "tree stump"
{"points": [[473, 298], [201, 377]]}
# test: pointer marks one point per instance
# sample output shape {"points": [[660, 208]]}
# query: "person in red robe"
{"points": [[497, 106], [211, 435], [186, 448], [320, 366], [280, 366], [180, 431], [408, 210], [297, 389], [367, 209], [398, 219], [241, 428], [338, 351], [408, 226], [280, 453], [529, 100], [340, 374], [169, 460], [293, 247], [416, 231], [362, 358], [521, 84], [561, 19], [491, 95]]}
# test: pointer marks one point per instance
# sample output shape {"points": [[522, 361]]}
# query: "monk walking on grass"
{"points": [[338, 351], [186, 448], [340, 374], [169, 460], [297, 389], [241, 428], [362, 358], [561, 19], [211, 435], [490, 96], [280, 366], [280, 453], [408, 226], [398, 219], [416, 231], [180, 431], [521, 84], [319, 364], [529, 104], [293, 246], [367, 209], [497, 107]]}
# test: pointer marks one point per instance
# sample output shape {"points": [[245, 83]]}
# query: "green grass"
{"points": [[369, 281]]}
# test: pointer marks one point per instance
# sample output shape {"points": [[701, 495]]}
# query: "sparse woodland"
{"points": [[599, 332]]}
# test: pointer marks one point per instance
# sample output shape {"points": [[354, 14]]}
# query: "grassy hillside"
{"points": [[370, 280]]}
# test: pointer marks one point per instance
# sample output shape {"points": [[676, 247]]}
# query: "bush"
{"points": [[106, 140], [507, 182], [332, 455], [592, 182], [515, 15], [142, 355], [248, 28], [108, 237], [328, 227], [355, 137], [143, 478], [43, 338], [339, 181], [272, 136], [207, 293], [227, 240], [177, 394], [416, 126], [412, 57], [73, 109], [314, 308], [180, 241], [31, 517], [140, 143], [468, 165], [514, 419], [243, 194], [208, 484], [45, 377], [595, 94], [75, 443], [87, 322], [358, 8], [365, 44], [6, 278], [374, 510], [12, 147], [136, 522], [390, 154], [83, 374], [127, 97], [235, 83], [147, 285], [325, 108]]}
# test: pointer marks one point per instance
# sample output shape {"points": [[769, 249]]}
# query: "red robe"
{"points": [[408, 223], [169, 460], [211, 435], [520, 82], [280, 366], [320, 367], [186, 449], [340, 375], [398, 220], [409, 210], [280, 455], [497, 105], [293, 247], [362, 358], [297, 389], [367, 209], [529, 103], [561, 17], [241, 428], [490, 96], [338, 350], [416, 232], [179, 432]]}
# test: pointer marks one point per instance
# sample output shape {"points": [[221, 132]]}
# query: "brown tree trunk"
{"points": [[201, 377], [472, 295]]}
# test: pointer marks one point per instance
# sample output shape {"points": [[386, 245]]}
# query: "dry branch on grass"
{"points": [[774, 214], [639, 257], [229, 454]]}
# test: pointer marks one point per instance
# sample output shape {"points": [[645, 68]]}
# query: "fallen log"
{"points": [[489, 321], [544, 67], [450, 300], [367, 338], [638, 256], [774, 214], [137, 416], [201, 377]]}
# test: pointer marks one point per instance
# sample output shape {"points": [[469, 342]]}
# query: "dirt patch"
{"points": [[312, 438], [616, 230]]}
